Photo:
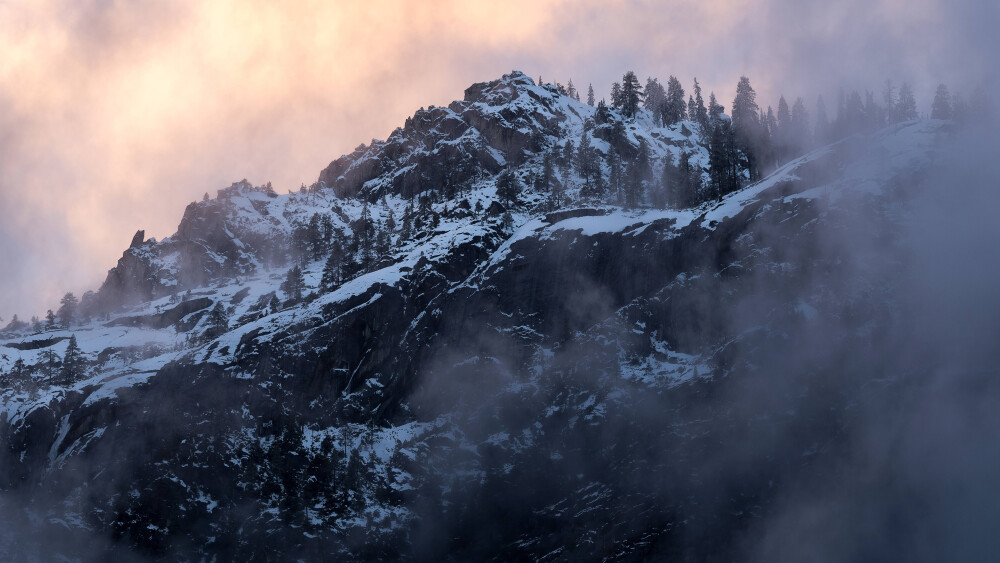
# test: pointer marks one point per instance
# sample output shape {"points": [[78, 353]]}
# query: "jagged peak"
{"points": [[138, 239], [500, 91]]}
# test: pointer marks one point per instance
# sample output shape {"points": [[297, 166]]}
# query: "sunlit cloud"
{"points": [[113, 115]]}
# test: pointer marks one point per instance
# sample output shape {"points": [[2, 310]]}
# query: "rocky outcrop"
{"points": [[138, 239], [498, 122], [36, 344], [133, 280], [168, 318]]}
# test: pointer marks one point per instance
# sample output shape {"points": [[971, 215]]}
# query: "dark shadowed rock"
{"points": [[137, 240]]}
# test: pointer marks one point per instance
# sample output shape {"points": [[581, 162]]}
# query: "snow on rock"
{"points": [[338, 365]]}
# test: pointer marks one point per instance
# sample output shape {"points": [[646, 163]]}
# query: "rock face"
{"points": [[500, 383], [137, 240], [498, 122], [169, 318], [132, 280]]}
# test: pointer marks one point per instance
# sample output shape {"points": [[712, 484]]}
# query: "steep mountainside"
{"points": [[468, 375]]}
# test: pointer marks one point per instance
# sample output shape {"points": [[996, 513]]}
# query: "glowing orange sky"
{"points": [[115, 115]]}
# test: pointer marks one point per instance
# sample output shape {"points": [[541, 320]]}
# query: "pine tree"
{"points": [[676, 108], [50, 320], [889, 101], [566, 163], [406, 229], [643, 162], [366, 235], [49, 364], [633, 186], [294, 284], [680, 182], [637, 174], [841, 108], [693, 181], [383, 242], [556, 194], [746, 125], [590, 95], [19, 369], [771, 156], [771, 122], [631, 94], [390, 221], [717, 162], [700, 113], [218, 321], [617, 137], [616, 96], [314, 237], [781, 135], [615, 184], [656, 97], [20, 376], [941, 107], [507, 220], [668, 184], [603, 113], [907, 106], [715, 109], [822, 131], [508, 187], [598, 183], [67, 309], [800, 127], [873, 113], [332, 268], [15, 324], [587, 166], [543, 182], [73, 363], [784, 116], [723, 158], [688, 181], [571, 91]]}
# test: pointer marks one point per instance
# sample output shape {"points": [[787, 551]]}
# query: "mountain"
{"points": [[461, 374]]}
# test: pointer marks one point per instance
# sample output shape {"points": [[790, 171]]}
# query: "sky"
{"points": [[114, 115]]}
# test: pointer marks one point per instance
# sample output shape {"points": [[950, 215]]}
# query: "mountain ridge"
{"points": [[489, 384]]}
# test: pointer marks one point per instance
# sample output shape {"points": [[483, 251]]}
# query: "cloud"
{"points": [[113, 116]]}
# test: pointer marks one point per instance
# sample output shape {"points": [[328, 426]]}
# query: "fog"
{"points": [[114, 116], [913, 480], [866, 432]]}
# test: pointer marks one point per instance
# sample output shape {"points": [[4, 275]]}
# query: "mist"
{"points": [[114, 116], [861, 431]]}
